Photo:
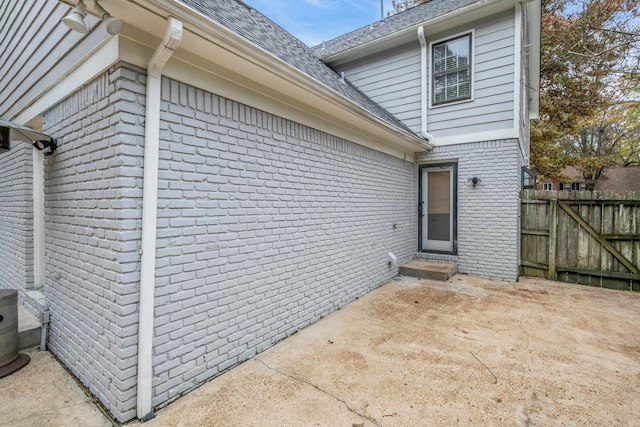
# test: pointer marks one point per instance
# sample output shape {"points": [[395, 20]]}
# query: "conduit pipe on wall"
{"points": [[424, 75], [167, 47]]}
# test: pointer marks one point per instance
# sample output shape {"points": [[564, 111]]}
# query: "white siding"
{"points": [[493, 90], [392, 79], [37, 49]]}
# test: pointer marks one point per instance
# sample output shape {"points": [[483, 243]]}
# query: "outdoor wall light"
{"points": [[75, 20], [114, 25], [475, 180], [10, 131], [51, 145]]}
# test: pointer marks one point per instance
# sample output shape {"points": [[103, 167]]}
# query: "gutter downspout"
{"points": [[167, 47], [423, 83]]}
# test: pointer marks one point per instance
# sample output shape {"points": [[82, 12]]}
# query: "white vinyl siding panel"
{"points": [[392, 79], [493, 88], [37, 49]]}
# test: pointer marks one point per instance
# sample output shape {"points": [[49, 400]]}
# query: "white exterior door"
{"points": [[437, 208]]}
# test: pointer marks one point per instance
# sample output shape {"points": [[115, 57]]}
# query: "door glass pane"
{"points": [[439, 205]]}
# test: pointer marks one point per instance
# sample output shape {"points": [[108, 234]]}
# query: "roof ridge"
{"points": [[389, 25]]}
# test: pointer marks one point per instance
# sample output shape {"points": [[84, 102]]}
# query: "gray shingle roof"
{"points": [[389, 25], [250, 24]]}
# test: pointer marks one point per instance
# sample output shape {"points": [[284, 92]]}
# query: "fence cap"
{"points": [[605, 195]]}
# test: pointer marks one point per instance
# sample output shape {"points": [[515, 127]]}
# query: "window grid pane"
{"points": [[451, 68]]}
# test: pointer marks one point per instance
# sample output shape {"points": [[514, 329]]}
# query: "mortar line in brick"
{"points": [[346, 405]]}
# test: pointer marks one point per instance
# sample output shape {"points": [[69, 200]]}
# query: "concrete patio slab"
{"points": [[413, 352], [423, 353], [44, 394]]}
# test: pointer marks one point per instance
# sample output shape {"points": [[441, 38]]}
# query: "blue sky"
{"points": [[314, 21]]}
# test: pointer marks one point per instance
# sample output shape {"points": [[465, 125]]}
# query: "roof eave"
{"points": [[333, 103]]}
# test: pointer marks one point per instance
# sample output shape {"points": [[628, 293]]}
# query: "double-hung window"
{"points": [[451, 61]]}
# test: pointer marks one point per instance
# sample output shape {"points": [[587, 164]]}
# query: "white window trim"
{"points": [[472, 61]]}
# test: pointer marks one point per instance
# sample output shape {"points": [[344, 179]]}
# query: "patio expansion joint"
{"points": [[346, 405]]}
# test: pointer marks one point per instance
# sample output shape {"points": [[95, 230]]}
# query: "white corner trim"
{"points": [[83, 71], [517, 77], [38, 220], [534, 17], [476, 137], [517, 72]]}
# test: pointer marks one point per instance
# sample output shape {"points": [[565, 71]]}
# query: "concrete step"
{"points": [[28, 329], [432, 270]]}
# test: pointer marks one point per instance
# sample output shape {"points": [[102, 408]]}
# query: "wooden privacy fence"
{"points": [[586, 237]]}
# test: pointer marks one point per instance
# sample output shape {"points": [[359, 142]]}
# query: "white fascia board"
{"points": [[534, 13], [252, 67], [95, 63]]}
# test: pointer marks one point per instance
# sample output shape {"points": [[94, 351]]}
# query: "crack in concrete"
{"points": [[346, 405]]}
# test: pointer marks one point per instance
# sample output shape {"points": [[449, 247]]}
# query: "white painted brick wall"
{"points": [[264, 226], [93, 193], [16, 211], [488, 215]]}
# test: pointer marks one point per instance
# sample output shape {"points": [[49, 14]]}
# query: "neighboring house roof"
{"points": [[250, 24], [390, 25], [573, 174], [620, 180]]}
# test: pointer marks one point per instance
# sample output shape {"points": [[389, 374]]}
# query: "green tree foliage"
{"points": [[588, 87]]}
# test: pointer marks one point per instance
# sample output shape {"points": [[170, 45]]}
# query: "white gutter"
{"points": [[167, 47], [424, 75]]}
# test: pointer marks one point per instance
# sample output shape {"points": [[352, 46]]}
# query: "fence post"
{"points": [[553, 238]]}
